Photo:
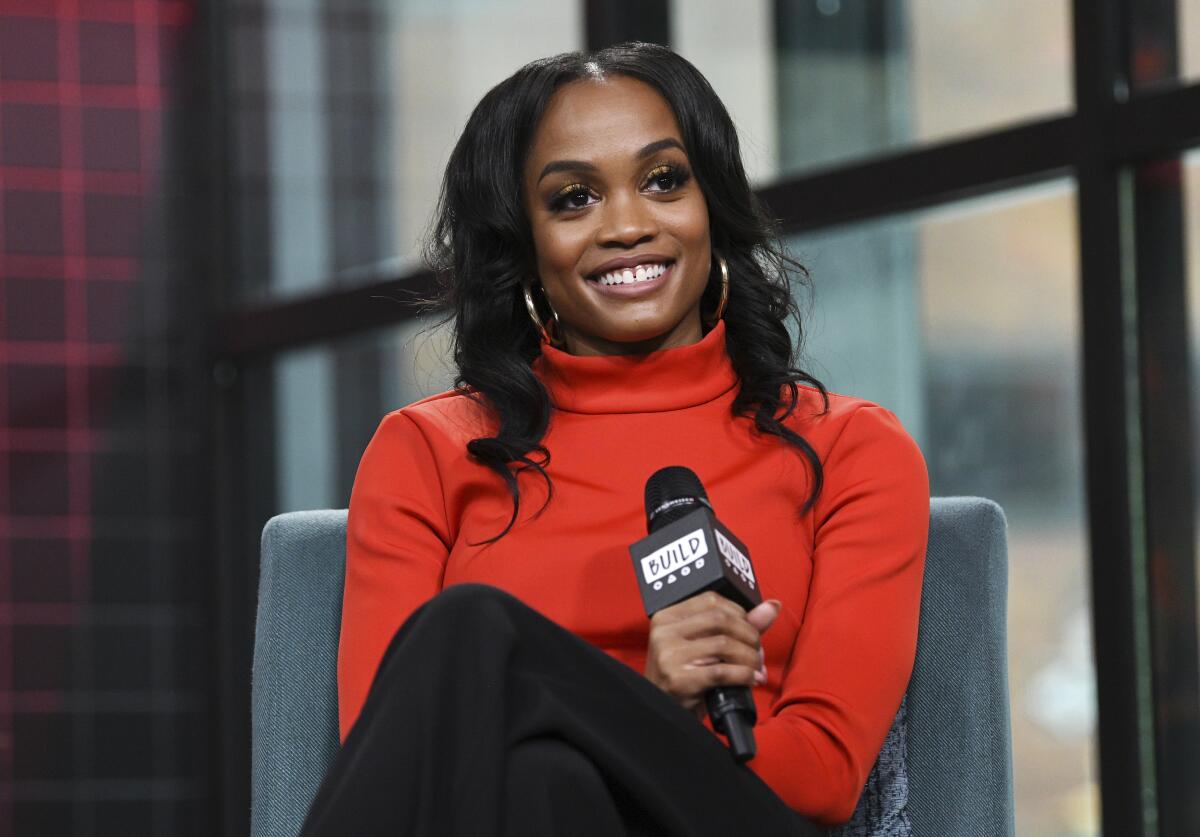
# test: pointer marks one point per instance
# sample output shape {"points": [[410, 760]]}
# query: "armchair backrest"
{"points": [[294, 719], [959, 757], [959, 734]]}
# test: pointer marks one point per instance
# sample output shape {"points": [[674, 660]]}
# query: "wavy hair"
{"points": [[481, 246]]}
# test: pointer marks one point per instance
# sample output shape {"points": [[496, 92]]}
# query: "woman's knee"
{"points": [[461, 622], [466, 611]]}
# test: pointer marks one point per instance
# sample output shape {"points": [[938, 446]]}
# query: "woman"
{"points": [[619, 304]]}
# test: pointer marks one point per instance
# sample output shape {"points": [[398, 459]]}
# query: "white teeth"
{"points": [[632, 275]]}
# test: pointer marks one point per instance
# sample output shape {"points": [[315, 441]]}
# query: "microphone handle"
{"points": [[733, 714]]}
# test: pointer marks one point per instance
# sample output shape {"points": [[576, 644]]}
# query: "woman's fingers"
{"points": [[687, 682], [704, 642], [714, 650], [717, 621], [700, 679], [697, 604], [762, 616]]}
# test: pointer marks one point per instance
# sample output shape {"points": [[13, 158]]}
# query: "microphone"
{"points": [[687, 552]]}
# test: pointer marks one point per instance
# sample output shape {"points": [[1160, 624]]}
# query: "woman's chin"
{"points": [[632, 338]]}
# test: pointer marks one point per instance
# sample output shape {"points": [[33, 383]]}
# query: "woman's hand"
{"points": [[706, 641]]}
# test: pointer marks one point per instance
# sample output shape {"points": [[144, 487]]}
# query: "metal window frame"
{"points": [[1149, 749], [1154, 125]]}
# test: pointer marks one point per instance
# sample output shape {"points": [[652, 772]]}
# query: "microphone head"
{"points": [[671, 493]]}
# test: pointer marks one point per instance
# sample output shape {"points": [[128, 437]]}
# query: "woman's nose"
{"points": [[627, 221]]}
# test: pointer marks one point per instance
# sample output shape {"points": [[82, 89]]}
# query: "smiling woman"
{"points": [[619, 302], [621, 229]]}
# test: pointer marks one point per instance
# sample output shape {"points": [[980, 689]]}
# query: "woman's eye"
{"points": [[575, 197], [578, 199], [665, 179]]}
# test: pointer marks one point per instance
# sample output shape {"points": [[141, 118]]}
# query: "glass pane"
{"points": [[824, 81], [343, 120], [329, 399], [1189, 38], [964, 321], [733, 45]]}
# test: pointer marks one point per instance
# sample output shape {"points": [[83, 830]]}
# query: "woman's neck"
{"points": [[669, 379]]}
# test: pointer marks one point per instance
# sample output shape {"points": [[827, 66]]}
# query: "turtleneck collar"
{"points": [[671, 379]]}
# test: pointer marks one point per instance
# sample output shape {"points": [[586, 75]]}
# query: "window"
{"points": [[923, 161], [973, 341], [344, 116], [824, 82]]}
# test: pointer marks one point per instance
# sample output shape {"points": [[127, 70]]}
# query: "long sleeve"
{"points": [[853, 655], [397, 542]]}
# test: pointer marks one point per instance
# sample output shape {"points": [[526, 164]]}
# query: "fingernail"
{"points": [[760, 676]]}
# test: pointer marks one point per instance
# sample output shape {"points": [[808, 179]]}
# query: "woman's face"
{"points": [[620, 225]]}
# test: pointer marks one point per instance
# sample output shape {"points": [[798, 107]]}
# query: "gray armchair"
{"points": [[956, 773]]}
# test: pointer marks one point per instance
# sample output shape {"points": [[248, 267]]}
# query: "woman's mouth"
{"points": [[634, 280]]}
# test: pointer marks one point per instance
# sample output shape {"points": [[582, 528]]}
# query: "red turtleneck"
{"points": [[848, 572]]}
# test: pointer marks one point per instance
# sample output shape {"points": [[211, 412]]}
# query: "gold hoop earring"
{"points": [[537, 322], [724, 300]]}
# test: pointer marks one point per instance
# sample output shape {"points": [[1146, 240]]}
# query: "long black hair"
{"points": [[481, 245]]}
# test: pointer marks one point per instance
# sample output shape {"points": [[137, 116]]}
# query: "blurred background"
{"points": [[210, 224]]}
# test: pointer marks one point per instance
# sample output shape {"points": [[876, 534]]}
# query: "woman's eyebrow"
{"points": [[581, 165], [659, 145], [565, 165]]}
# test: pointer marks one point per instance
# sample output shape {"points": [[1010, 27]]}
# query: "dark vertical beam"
{"points": [[233, 585], [359, 366], [190, 211], [611, 22], [1167, 449], [242, 419], [1111, 428], [1167, 443]]}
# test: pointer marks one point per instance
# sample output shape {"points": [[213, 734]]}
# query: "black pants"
{"points": [[486, 718]]}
